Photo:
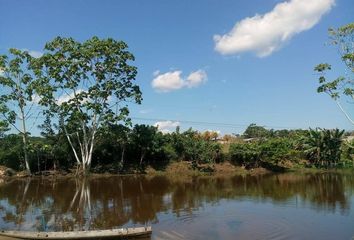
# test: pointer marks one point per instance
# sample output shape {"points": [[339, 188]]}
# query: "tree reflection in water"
{"points": [[106, 202]]}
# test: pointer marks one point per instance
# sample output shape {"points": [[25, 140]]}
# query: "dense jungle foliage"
{"points": [[120, 149]]}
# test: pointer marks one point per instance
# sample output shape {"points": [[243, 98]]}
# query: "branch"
{"points": [[12, 123], [71, 145], [346, 115], [34, 122]]}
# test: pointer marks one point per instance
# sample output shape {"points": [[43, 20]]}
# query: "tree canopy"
{"points": [[342, 86], [86, 85], [17, 97]]}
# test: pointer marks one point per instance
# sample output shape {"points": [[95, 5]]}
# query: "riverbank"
{"points": [[181, 168]]}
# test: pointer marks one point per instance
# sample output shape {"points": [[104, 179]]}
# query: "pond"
{"points": [[273, 206]]}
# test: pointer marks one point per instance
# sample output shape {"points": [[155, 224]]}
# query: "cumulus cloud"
{"points": [[155, 73], [196, 78], [173, 80], [264, 34], [168, 81], [35, 54], [166, 126]]}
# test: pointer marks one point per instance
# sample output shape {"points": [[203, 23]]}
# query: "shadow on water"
{"points": [[113, 202]]}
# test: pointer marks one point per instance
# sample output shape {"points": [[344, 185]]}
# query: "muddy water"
{"points": [[283, 206]]}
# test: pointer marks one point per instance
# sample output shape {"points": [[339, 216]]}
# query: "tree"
{"points": [[11, 148], [323, 146], [56, 145], [254, 131], [342, 86], [120, 136], [144, 136], [18, 98], [87, 85], [210, 135]]}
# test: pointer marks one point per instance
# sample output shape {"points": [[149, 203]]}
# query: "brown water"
{"points": [[284, 206]]}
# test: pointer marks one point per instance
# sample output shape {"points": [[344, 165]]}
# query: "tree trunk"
{"points": [[54, 165], [24, 139], [142, 157], [38, 165], [122, 157]]}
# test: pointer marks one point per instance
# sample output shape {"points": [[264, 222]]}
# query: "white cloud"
{"points": [[264, 34], [173, 80], [155, 73], [196, 78], [168, 81], [66, 97], [35, 54], [166, 126]]}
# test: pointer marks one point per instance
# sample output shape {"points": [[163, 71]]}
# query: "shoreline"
{"points": [[182, 169]]}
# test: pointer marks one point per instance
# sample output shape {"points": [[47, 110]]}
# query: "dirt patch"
{"points": [[151, 171], [180, 168], [23, 174], [6, 172], [259, 171], [226, 168], [185, 168]]}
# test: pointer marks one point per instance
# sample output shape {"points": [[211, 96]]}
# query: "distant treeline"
{"points": [[120, 148]]}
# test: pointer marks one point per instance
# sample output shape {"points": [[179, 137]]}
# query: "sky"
{"points": [[208, 64]]}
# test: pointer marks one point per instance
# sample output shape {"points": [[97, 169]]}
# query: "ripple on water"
{"points": [[234, 224]]}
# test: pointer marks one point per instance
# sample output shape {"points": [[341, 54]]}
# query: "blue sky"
{"points": [[266, 79]]}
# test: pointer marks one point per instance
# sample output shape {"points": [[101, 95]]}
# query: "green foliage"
{"points": [[146, 145], [194, 146], [278, 149], [272, 150], [120, 148], [94, 74], [4, 127], [11, 151], [247, 154], [342, 86], [347, 156], [254, 131], [144, 138], [17, 99], [86, 85], [17, 84], [323, 146]]}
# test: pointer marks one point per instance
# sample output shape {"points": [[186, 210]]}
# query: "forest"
{"points": [[121, 149]]}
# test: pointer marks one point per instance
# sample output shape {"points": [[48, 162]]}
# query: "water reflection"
{"points": [[99, 203]]}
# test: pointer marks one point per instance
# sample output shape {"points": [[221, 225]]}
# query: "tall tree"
{"points": [[119, 136], [343, 86], [144, 137], [17, 97], [254, 131], [86, 85]]}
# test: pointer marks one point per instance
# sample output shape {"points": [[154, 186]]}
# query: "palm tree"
{"points": [[323, 145]]}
